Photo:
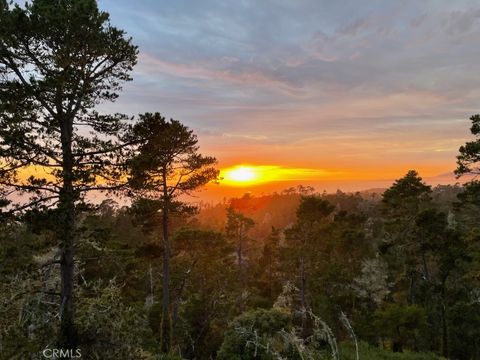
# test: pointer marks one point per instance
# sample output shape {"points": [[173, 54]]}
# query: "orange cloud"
{"points": [[250, 77]]}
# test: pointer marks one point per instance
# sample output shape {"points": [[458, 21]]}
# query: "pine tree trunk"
{"points": [[240, 257], [166, 332], [444, 324], [67, 327], [303, 298], [306, 317], [67, 335], [241, 266]]}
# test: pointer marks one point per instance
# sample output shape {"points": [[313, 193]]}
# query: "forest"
{"points": [[147, 273]]}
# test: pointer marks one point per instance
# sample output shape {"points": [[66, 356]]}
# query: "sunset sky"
{"points": [[332, 91]]}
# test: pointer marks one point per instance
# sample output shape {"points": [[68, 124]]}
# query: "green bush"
{"points": [[464, 330], [253, 335], [403, 325]]}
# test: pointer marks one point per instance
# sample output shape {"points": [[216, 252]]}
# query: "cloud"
{"points": [[392, 78], [223, 71]]}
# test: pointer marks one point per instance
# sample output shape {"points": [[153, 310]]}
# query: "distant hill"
{"points": [[447, 178]]}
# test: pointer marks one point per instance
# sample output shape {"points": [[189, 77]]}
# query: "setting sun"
{"points": [[241, 174]]}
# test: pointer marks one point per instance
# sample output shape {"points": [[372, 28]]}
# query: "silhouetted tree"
{"points": [[58, 60], [468, 161], [312, 213], [237, 228], [401, 205], [406, 196], [166, 166]]}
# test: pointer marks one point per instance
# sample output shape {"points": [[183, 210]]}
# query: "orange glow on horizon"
{"points": [[246, 175]]}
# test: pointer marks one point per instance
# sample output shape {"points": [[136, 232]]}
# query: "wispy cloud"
{"points": [[314, 83], [245, 77]]}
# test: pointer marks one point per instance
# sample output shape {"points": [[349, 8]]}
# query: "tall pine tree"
{"points": [[58, 60]]}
